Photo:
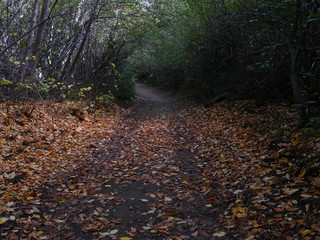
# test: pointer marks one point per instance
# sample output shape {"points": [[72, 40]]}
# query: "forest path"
{"points": [[164, 170], [146, 92], [146, 184]]}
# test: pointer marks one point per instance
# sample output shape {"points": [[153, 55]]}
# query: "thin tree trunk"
{"points": [[27, 53], [33, 23], [296, 85], [40, 33], [84, 38], [295, 53]]}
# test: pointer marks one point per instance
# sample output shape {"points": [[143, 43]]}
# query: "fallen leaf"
{"points": [[316, 182], [306, 232], [306, 195], [3, 220], [219, 234], [289, 191], [250, 237], [114, 231], [230, 226], [303, 172], [238, 210]]}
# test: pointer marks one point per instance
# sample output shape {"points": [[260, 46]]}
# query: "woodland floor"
{"points": [[163, 169]]}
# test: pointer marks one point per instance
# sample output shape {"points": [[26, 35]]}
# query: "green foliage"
{"points": [[106, 98], [5, 82], [125, 88], [262, 49], [253, 49], [110, 40]]}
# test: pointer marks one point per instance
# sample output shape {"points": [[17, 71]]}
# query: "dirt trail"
{"points": [[149, 93], [151, 102], [167, 170], [146, 184]]}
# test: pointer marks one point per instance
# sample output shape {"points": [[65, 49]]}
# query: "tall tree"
{"points": [[30, 38], [86, 33], [40, 33]]}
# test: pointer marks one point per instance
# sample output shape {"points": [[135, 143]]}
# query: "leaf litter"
{"points": [[157, 171]]}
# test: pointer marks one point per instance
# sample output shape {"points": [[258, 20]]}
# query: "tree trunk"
{"points": [[295, 80], [295, 53], [40, 33], [84, 38], [27, 53], [33, 23]]}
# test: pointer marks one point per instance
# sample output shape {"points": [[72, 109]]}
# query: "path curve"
{"points": [[146, 92]]}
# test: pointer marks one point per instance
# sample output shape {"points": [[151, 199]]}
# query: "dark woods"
{"points": [[263, 50], [210, 49]]}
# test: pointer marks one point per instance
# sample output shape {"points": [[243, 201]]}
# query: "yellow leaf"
{"points": [[3, 220], [238, 210], [241, 215], [306, 232], [255, 224], [160, 195], [303, 172], [230, 226], [125, 238]]}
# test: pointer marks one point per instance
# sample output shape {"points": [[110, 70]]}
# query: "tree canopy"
{"points": [[262, 49]]}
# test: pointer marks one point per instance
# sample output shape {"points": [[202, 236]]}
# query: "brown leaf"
{"points": [[289, 191]]}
